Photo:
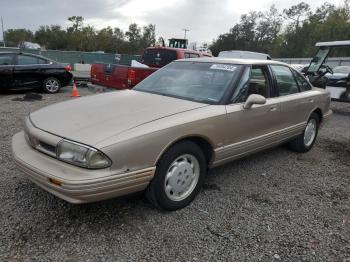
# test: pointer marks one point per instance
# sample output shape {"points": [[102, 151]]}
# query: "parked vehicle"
{"points": [[162, 135], [244, 55], [318, 70], [27, 71], [340, 77], [29, 45], [126, 77]]}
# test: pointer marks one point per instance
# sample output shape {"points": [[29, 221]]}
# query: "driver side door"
{"points": [[256, 128]]}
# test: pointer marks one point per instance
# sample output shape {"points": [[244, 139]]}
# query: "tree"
{"points": [[51, 37], [297, 13], [148, 36], [262, 32], [134, 37], [16, 36], [77, 23]]}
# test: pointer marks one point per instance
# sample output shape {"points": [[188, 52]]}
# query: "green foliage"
{"points": [[263, 32], [16, 36], [80, 37]]}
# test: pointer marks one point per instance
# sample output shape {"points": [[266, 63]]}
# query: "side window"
{"points": [[42, 61], [27, 60], [286, 83], [6, 59], [253, 81], [302, 82], [187, 55]]}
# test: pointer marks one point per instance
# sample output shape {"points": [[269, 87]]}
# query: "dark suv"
{"points": [[28, 71]]}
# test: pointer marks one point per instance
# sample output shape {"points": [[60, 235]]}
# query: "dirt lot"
{"points": [[276, 205]]}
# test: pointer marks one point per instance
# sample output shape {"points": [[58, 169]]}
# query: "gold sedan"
{"points": [[163, 135]]}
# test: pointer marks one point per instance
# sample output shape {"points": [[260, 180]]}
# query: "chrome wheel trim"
{"points": [[310, 132], [182, 177], [52, 85]]}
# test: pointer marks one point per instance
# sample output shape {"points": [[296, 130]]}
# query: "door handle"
{"points": [[311, 100]]}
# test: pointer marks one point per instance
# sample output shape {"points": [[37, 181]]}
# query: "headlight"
{"points": [[81, 155]]}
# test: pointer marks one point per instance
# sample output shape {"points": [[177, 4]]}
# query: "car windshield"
{"points": [[194, 81]]}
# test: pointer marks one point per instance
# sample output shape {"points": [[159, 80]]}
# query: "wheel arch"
{"points": [[318, 111], [203, 142]]}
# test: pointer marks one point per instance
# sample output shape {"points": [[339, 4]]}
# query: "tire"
{"points": [[51, 85], [304, 142], [179, 177]]}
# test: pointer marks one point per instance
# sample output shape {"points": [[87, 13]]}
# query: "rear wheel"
{"points": [[304, 142], [51, 85], [179, 176]]}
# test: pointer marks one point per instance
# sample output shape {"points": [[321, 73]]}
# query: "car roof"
{"points": [[233, 61]]}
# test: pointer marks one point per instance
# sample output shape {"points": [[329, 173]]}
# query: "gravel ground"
{"points": [[276, 205]]}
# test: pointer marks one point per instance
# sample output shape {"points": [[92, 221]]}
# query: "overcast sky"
{"points": [[205, 18]]}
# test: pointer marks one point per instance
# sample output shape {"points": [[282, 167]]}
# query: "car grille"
{"points": [[46, 148], [38, 144]]}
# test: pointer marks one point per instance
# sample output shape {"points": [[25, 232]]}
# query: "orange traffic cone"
{"points": [[75, 91]]}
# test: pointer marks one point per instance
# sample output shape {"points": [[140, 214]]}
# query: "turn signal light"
{"points": [[55, 182]]}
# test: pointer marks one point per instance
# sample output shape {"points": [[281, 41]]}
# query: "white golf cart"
{"points": [[318, 69]]}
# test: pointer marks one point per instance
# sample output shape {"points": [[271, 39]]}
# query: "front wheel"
{"points": [[304, 142], [179, 176], [51, 85]]}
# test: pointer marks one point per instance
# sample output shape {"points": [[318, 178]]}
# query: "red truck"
{"points": [[126, 77]]}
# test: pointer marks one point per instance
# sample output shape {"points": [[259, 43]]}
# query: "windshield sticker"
{"points": [[230, 68]]}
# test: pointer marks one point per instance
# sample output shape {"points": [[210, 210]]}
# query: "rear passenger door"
{"points": [[6, 70], [27, 71], [296, 98]]}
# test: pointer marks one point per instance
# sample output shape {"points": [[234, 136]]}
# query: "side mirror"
{"points": [[254, 100]]}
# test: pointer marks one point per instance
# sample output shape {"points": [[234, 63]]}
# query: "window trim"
{"points": [[276, 84], [270, 94], [296, 74]]}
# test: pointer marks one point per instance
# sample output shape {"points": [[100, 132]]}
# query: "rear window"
{"points": [[158, 57]]}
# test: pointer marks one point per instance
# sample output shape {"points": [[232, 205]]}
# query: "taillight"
{"points": [[68, 68], [131, 77]]}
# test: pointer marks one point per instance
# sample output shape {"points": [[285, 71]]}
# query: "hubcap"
{"points": [[182, 177], [52, 85], [310, 132]]}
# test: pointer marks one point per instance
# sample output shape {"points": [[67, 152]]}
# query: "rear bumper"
{"points": [[47, 173]]}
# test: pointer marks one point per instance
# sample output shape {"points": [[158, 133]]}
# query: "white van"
{"points": [[244, 55]]}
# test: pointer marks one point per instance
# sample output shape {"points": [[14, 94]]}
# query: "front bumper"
{"points": [[94, 185]]}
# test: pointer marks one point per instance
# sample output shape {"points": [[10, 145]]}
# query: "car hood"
{"points": [[94, 118]]}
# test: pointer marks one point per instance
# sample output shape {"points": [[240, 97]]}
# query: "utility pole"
{"points": [[186, 30], [3, 34]]}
